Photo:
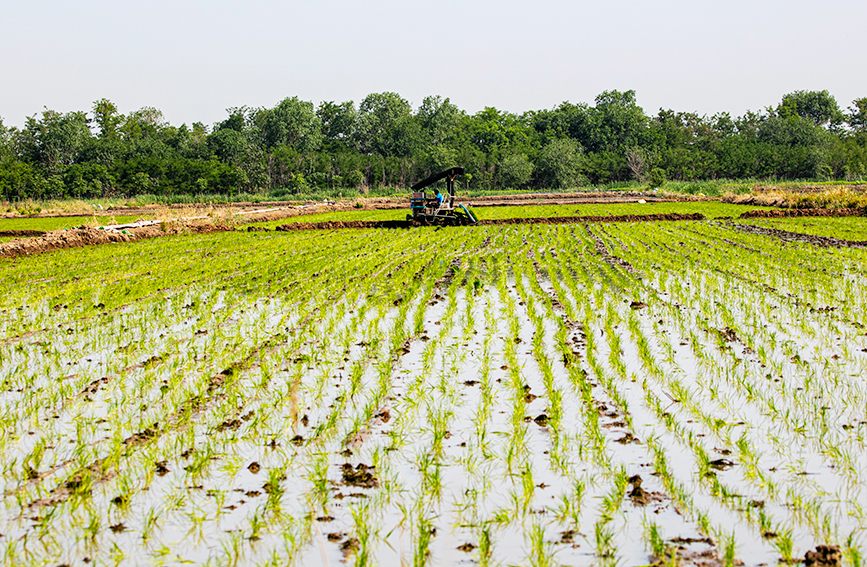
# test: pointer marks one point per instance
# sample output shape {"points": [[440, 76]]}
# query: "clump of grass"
{"points": [[836, 197]]}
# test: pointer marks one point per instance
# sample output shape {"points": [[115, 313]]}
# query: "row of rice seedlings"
{"points": [[596, 370], [356, 417], [686, 400], [604, 534], [374, 345], [302, 538], [389, 449], [819, 523], [811, 407], [588, 324]]}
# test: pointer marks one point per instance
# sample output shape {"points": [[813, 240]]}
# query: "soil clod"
{"points": [[638, 495], [823, 556], [361, 476], [721, 464], [350, 546]]}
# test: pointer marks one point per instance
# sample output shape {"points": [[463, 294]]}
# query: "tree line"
{"points": [[298, 147]]}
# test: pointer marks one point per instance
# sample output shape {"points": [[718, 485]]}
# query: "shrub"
{"points": [[559, 163], [657, 177]]}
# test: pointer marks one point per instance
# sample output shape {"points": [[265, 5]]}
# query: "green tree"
{"points": [[616, 123], [228, 145], [146, 123], [55, 140], [857, 118], [819, 107], [236, 121], [439, 158], [338, 121], [792, 130], [107, 118], [657, 177], [5, 141], [439, 119], [292, 122], [493, 131], [559, 164], [17, 180], [386, 126], [514, 170], [572, 120]]}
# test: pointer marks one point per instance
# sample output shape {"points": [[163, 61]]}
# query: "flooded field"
{"points": [[686, 393]]}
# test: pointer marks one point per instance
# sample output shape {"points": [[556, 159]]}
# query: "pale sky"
{"points": [[193, 59]]}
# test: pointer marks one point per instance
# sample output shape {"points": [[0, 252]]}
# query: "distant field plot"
{"points": [[847, 228], [359, 215], [605, 394], [709, 209], [55, 223]]}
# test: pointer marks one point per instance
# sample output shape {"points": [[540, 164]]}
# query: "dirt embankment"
{"points": [[784, 213], [21, 233], [77, 237], [332, 225], [598, 218]]}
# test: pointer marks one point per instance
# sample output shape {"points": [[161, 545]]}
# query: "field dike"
{"points": [[21, 233], [789, 236], [786, 213], [331, 225]]}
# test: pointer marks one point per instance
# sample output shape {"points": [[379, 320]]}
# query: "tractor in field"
{"points": [[436, 207]]}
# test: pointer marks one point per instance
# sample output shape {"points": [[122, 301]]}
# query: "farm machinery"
{"points": [[436, 207]]}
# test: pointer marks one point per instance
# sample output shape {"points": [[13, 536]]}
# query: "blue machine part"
{"points": [[469, 214]]}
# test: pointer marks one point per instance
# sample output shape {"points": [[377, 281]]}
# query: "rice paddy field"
{"points": [[709, 209], [668, 393]]}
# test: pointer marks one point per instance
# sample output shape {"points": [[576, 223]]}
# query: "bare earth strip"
{"points": [[785, 213], [71, 238]]}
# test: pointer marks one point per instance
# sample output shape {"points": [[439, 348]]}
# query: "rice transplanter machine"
{"points": [[438, 208]]}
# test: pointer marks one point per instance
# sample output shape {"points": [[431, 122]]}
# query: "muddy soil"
{"points": [[21, 233], [331, 225], [824, 556], [785, 213], [789, 236], [77, 237]]}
